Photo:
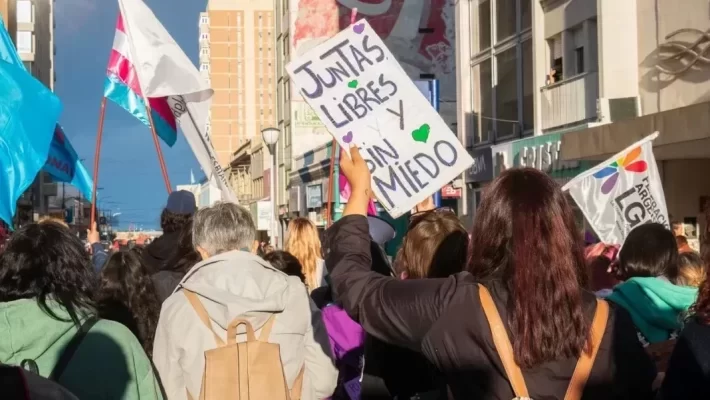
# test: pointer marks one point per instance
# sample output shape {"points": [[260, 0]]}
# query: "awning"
{"points": [[684, 134]]}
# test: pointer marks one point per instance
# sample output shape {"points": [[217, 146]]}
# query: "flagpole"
{"points": [[331, 183], [158, 150], [97, 155]]}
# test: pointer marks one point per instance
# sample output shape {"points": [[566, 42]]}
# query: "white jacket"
{"points": [[240, 284]]}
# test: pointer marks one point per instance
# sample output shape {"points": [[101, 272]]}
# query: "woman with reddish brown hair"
{"points": [[527, 254], [688, 374]]}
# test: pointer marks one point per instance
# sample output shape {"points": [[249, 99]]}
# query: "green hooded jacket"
{"points": [[108, 364], [656, 305]]}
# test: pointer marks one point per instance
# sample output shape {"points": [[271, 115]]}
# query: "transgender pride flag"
{"points": [[123, 88]]}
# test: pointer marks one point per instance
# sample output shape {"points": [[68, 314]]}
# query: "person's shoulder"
{"points": [[111, 332]]}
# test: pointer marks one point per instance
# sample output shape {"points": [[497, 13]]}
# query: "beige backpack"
{"points": [[243, 371]]}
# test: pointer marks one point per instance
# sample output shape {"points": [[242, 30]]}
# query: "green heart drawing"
{"points": [[421, 134], [352, 84]]}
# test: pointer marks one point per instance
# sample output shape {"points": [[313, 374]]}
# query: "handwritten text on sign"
{"points": [[363, 96]]}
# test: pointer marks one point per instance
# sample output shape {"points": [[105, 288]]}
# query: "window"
{"points": [[205, 51], [578, 53], [204, 36], [204, 67], [484, 26], [505, 19], [525, 14], [483, 102], [507, 94], [528, 112], [24, 42], [555, 73], [204, 20], [579, 59], [25, 12]]}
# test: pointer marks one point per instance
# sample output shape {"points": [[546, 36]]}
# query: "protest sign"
{"points": [[622, 192], [364, 97]]}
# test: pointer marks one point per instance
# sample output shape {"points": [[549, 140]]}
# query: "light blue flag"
{"points": [[62, 162], [64, 165], [28, 115]]}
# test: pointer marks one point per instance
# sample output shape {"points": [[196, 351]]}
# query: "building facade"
{"points": [[496, 84], [651, 79], [237, 56]]}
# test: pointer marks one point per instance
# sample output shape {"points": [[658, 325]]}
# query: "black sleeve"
{"points": [[635, 371], [685, 377], [395, 311]]}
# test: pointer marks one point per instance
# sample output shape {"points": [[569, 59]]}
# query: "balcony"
{"points": [[571, 101]]}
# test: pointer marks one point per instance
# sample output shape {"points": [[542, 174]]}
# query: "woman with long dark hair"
{"points": [[47, 291], [526, 253], [127, 295]]}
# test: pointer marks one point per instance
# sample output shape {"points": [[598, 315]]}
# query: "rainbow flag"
{"points": [[123, 88]]}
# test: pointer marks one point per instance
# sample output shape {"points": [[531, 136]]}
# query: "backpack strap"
{"points": [[502, 343], [71, 348], [232, 331], [297, 390], [586, 360], [266, 329], [202, 313]]}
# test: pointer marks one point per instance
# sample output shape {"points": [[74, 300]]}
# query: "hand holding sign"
{"points": [[364, 97], [355, 169]]}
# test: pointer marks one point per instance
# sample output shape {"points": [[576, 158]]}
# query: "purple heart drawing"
{"points": [[348, 137], [359, 28]]}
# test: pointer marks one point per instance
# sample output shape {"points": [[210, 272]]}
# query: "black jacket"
{"points": [[688, 374], [444, 320], [160, 251]]}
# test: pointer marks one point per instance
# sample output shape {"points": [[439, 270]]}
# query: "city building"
{"points": [[652, 78], [420, 34], [31, 25], [596, 77], [496, 85], [237, 56]]}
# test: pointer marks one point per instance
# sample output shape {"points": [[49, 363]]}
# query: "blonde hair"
{"points": [[303, 242], [51, 220], [691, 269]]}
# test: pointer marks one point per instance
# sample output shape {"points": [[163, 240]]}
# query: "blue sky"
{"points": [[129, 171]]}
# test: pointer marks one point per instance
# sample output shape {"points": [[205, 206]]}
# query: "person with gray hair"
{"points": [[231, 282]]}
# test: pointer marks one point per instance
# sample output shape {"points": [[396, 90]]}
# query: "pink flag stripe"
{"points": [[121, 68], [161, 107], [119, 24]]}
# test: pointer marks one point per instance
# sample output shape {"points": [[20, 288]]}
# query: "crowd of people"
{"points": [[519, 308]]}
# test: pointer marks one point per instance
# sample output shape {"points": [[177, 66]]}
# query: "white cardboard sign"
{"points": [[363, 96]]}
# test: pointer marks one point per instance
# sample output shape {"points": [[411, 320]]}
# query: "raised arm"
{"points": [[398, 312]]}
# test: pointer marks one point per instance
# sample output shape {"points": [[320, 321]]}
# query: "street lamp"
{"points": [[271, 137]]}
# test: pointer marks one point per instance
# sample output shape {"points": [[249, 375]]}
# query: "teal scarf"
{"points": [[657, 306]]}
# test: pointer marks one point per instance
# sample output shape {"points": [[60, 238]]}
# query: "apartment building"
{"points": [[237, 56]]}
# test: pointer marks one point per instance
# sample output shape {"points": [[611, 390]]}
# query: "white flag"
{"points": [[622, 192], [164, 71]]}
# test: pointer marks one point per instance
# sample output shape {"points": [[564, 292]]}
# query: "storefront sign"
{"points": [[482, 168], [450, 192], [314, 196], [543, 153]]}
